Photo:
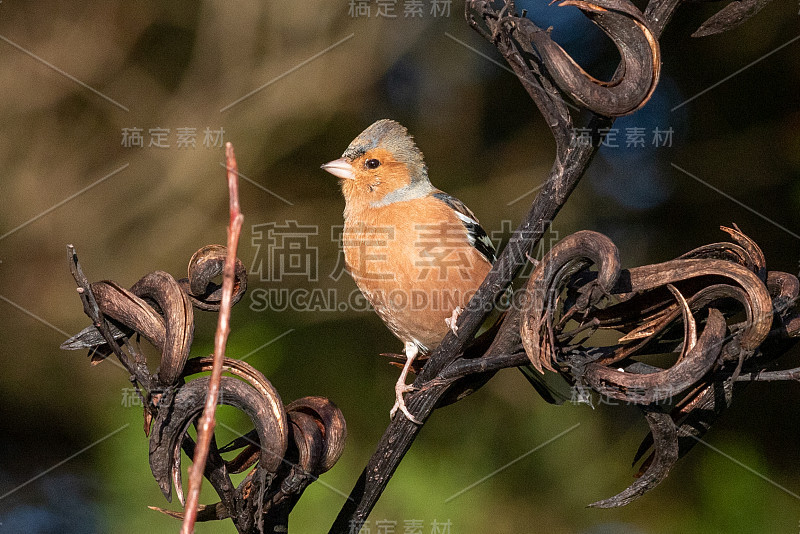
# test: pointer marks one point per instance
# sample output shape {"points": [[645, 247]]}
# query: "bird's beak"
{"points": [[340, 168]]}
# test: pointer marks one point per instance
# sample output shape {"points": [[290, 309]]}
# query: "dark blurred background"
{"points": [[80, 78]]}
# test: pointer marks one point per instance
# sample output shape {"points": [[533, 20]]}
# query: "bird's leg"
{"points": [[453, 319], [402, 388]]}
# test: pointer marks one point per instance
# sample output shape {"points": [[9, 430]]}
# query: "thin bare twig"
{"points": [[205, 429]]}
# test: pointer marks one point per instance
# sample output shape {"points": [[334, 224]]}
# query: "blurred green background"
{"points": [[68, 434]]}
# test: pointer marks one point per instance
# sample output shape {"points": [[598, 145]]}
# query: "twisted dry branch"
{"points": [[461, 364], [290, 446]]}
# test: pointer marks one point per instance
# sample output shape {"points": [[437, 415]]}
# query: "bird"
{"points": [[417, 253]]}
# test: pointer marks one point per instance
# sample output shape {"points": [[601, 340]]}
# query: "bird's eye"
{"points": [[372, 163]]}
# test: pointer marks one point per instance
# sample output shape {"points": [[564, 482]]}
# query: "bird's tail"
{"points": [[547, 389]]}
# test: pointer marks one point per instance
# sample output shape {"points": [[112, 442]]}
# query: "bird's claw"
{"points": [[453, 319], [400, 403]]}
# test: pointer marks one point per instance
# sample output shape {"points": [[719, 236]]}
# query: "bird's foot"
{"points": [[401, 389], [453, 319]]}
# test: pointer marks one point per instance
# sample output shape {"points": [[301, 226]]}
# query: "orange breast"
{"points": [[413, 272]]}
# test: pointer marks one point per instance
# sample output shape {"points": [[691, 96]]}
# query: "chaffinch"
{"points": [[415, 252]]}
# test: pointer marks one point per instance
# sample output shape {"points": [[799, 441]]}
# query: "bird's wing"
{"points": [[477, 238], [476, 235]]}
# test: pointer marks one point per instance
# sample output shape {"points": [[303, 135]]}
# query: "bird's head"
{"points": [[381, 166]]}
